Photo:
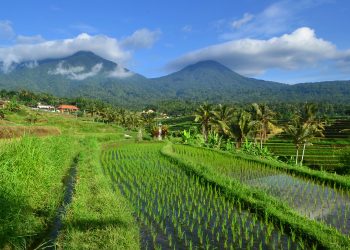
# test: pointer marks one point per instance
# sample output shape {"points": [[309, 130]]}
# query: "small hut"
{"points": [[67, 108]]}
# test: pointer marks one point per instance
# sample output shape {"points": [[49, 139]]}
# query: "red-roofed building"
{"points": [[67, 108]]}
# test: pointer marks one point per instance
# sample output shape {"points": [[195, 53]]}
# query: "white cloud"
{"points": [[187, 28], [120, 72], [104, 46], [6, 30], [76, 73], [277, 18], [29, 39], [245, 19], [252, 57], [142, 38]]}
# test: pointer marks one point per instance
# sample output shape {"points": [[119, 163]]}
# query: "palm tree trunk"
{"points": [[296, 158], [302, 156], [205, 134], [261, 140]]}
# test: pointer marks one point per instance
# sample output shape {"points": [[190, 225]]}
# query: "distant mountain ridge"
{"points": [[88, 75]]}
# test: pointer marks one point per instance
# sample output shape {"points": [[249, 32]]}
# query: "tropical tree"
{"points": [[133, 120], [240, 127], [92, 109], [111, 115], [221, 117], [262, 120], [308, 115], [298, 132], [148, 118], [122, 117], [304, 128], [204, 116]]}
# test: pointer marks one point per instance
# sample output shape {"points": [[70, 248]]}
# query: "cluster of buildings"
{"points": [[151, 111], [63, 108]]}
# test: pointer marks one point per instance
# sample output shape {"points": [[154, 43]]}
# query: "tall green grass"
{"points": [[31, 187], [98, 217]]}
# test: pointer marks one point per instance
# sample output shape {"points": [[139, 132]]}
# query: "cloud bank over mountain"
{"points": [[252, 57], [35, 48]]}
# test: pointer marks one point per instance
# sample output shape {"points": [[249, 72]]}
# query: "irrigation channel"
{"points": [[180, 211], [311, 199]]}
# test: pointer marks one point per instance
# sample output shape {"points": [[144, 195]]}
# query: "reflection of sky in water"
{"points": [[310, 199]]}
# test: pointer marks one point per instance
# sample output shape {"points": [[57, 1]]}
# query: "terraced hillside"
{"points": [[324, 153]]}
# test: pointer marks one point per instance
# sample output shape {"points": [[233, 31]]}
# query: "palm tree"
{"points": [[308, 113], [122, 117], [204, 117], [262, 120], [222, 116], [240, 127], [111, 115], [304, 128], [298, 132], [309, 116], [133, 120], [315, 129], [148, 118]]}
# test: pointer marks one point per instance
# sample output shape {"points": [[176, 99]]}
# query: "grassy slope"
{"points": [[33, 169], [31, 186], [325, 236]]}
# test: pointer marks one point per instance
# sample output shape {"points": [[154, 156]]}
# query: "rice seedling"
{"points": [[153, 184], [316, 200]]}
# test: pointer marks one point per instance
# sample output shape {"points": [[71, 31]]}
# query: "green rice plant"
{"points": [[153, 184], [305, 196], [199, 163]]}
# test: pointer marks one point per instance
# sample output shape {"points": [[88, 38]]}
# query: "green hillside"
{"points": [[88, 75]]}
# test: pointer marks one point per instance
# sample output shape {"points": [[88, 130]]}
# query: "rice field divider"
{"points": [[333, 180], [317, 201], [265, 205]]}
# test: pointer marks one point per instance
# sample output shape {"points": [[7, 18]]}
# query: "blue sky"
{"points": [[287, 41]]}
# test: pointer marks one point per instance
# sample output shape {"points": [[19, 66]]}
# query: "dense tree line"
{"points": [[180, 107]]}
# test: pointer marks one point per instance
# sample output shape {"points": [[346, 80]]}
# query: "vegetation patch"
{"points": [[7, 132], [31, 187], [99, 217]]}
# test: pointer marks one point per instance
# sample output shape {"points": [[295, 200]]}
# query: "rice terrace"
{"points": [[177, 125]]}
